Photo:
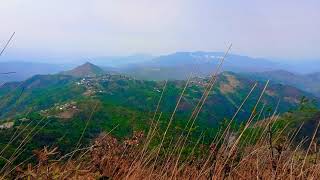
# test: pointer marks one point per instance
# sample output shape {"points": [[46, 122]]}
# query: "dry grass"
{"points": [[108, 157]]}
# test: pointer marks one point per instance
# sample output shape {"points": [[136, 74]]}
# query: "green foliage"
{"points": [[120, 106]]}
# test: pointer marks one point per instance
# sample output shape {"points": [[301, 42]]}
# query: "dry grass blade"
{"points": [[7, 43], [233, 148], [22, 144], [168, 126], [83, 131], [309, 147], [19, 150], [201, 102], [5, 73], [15, 136]]}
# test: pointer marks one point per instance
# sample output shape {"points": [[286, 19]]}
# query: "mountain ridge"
{"points": [[177, 65]]}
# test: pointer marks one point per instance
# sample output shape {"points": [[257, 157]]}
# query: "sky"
{"points": [[280, 29]]}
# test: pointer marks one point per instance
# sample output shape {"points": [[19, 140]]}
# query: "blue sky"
{"points": [[285, 29]]}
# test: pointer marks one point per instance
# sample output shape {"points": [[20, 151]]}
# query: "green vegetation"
{"points": [[68, 112]]}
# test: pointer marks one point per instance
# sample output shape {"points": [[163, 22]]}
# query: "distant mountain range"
{"points": [[179, 65], [232, 62], [176, 66]]}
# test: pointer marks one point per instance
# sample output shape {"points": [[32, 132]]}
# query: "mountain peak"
{"points": [[87, 64], [86, 69]]}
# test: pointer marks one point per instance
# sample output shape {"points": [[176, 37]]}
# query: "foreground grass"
{"points": [[273, 155]]}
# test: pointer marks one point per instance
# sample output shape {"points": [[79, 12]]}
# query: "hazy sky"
{"points": [[263, 28]]}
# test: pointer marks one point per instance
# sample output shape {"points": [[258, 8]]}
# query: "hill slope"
{"points": [[309, 82]]}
